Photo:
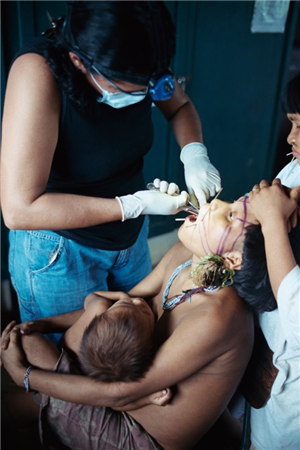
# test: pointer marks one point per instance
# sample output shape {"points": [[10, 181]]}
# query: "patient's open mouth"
{"points": [[192, 218]]}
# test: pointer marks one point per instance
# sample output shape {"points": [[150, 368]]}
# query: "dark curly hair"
{"points": [[127, 40], [291, 97], [69, 79], [252, 281], [116, 347]]}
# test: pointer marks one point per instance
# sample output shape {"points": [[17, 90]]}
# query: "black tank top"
{"points": [[100, 154]]}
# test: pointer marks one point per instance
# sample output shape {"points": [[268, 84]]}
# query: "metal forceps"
{"points": [[190, 208]]}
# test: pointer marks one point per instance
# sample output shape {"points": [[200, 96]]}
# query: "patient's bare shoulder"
{"points": [[222, 316]]}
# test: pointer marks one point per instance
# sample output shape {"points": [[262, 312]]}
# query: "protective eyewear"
{"points": [[159, 89]]}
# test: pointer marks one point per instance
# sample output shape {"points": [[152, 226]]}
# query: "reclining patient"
{"points": [[203, 340]]}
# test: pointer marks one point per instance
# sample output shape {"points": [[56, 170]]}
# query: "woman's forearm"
{"points": [[186, 125], [61, 322], [55, 211], [77, 389]]}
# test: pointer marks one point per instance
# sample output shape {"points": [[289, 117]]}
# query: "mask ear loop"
{"points": [[215, 197]]}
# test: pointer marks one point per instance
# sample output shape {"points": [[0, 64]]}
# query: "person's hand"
{"points": [[164, 187], [12, 356], [31, 326], [201, 177], [160, 398], [4, 340], [151, 202], [275, 203]]}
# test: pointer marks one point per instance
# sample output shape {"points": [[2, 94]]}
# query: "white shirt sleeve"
{"points": [[288, 299]]}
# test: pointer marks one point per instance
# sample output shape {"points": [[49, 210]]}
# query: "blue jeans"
{"points": [[53, 275]]}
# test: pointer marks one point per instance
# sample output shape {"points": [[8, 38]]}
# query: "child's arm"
{"points": [[111, 296], [151, 286], [147, 289], [60, 323], [273, 208], [52, 324], [95, 304]]}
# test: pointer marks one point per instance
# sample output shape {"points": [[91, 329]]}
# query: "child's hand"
{"points": [[12, 355], [31, 326], [271, 203], [5, 336]]}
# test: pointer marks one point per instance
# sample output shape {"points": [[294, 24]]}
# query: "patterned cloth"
{"points": [[69, 426]]}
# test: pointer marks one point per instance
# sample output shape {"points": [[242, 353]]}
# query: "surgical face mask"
{"points": [[117, 99]]}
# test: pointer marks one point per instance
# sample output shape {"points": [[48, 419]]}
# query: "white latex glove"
{"points": [[151, 202], [165, 187], [201, 177]]}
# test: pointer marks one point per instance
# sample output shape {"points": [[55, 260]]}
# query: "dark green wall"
{"points": [[235, 81]]}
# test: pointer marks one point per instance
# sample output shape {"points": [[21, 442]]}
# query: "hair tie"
{"points": [[212, 272]]}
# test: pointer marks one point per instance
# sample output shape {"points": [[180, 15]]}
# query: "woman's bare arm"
{"points": [[183, 117], [29, 138]]}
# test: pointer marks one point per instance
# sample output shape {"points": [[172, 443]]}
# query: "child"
{"points": [[112, 338], [276, 425], [204, 338], [290, 174]]}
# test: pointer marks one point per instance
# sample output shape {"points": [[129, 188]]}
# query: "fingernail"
{"points": [[22, 331], [164, 391]]}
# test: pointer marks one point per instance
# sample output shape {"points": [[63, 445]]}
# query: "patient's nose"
{"points": [[215, 204]]}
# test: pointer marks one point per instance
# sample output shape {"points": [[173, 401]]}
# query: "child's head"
{"points": [[291, 106], [118, 344], [291, 97], [252, 281]]}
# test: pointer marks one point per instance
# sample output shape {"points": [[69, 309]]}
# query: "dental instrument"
{"points": [[208, 209]]}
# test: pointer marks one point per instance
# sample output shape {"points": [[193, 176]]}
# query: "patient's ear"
{"points": [[233, 260]]}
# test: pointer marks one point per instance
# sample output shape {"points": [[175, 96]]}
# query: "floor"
{"points": [[159, 245]]}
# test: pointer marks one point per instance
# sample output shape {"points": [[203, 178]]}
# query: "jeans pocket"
{"points": [[43, 250]]}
